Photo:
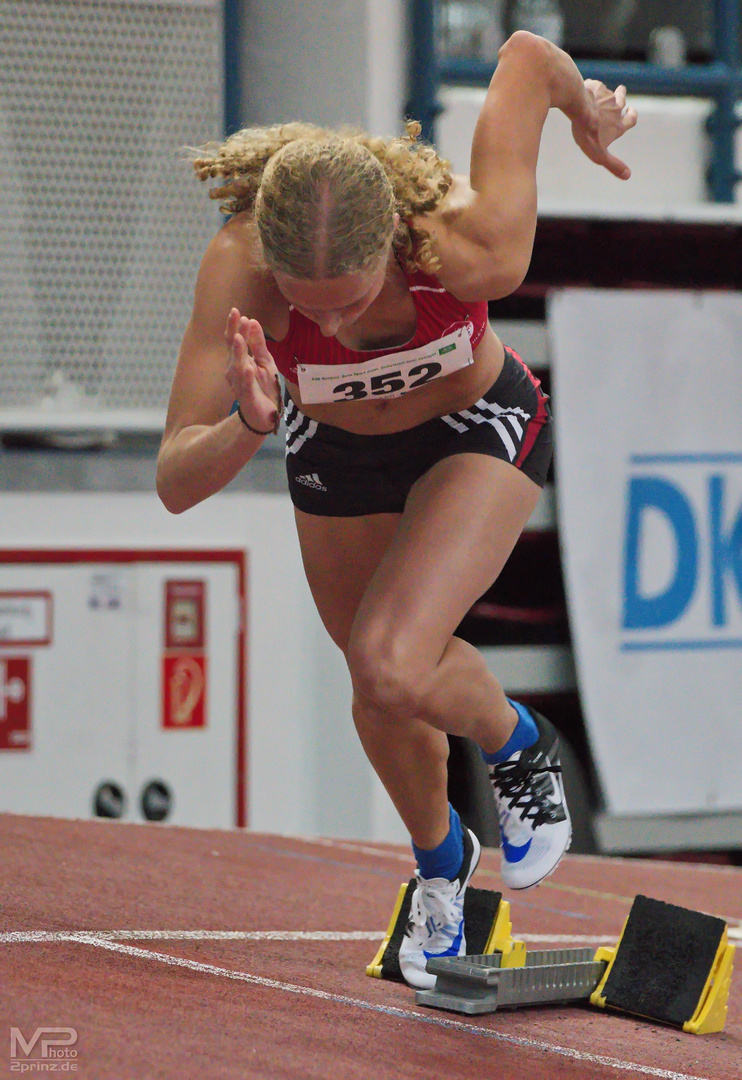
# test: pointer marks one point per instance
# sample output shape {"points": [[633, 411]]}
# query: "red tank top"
{"points": [[438, 313]]}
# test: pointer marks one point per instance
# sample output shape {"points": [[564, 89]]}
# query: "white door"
{"points": [[103, 714]]}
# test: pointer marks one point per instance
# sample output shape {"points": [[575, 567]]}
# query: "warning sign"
{"points": [[184, 690], [185, 602], [15, 703], [25, 618]]}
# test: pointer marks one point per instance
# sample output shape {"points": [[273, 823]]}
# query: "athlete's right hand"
{"points": [[251, 372]]}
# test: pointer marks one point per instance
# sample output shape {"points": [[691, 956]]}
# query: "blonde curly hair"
{"points": [[324, 201]]}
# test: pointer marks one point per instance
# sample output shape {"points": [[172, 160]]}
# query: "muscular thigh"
{"points": [[404, 582], [341, 555], [460, 524]]}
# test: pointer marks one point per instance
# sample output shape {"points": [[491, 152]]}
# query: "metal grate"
{"points": [[102, 221]]}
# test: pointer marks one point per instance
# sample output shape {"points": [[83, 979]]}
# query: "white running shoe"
{"points": [[435, 926], [535, 828]]}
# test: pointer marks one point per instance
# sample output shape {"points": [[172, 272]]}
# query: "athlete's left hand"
{"points": [[606, 119]]}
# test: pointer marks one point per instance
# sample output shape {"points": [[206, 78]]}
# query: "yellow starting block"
{"points": [[488, 931], [671, 965]]}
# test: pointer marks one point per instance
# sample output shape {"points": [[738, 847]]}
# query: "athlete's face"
{"points": [[333, 303]]}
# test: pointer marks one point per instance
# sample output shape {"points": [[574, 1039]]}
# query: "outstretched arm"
{"points": [[484, 230]]}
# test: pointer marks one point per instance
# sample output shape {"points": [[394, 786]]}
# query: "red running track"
{"points": [[278, 1001]]}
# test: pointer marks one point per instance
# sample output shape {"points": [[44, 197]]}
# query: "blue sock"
{"points": [[524, 735], [446, 859]]}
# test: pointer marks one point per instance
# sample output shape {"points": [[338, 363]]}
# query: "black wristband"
{"points": [[255, 430]]}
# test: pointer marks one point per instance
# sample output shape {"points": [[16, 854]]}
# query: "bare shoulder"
{"points": [[233, 273], [457, 201], [238, 238], [440, 221], [481, 251]]}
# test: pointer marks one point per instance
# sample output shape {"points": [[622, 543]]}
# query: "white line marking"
{"points": [[354, 846], [569, 939], [600, 860], [660, 864], [387, 1010], [18, 937]]}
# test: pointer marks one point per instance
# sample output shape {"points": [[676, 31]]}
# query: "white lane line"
{"points": [[569, 939], [17, 937], [388, 1010], [358, 848], [598, 860], [661, 864]]}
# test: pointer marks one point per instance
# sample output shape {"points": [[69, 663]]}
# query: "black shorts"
{"points": [[335, 473]]}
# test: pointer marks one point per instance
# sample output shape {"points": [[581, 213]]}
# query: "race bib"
{"points": [[385, 376]]}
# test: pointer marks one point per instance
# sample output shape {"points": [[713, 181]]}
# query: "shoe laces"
{"points": [[525, 785], [434, 901]]}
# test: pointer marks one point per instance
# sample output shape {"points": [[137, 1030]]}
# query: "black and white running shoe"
{"points": [[535, 828]]}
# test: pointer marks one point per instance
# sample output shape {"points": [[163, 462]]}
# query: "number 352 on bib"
{"points": [[385, 376]]}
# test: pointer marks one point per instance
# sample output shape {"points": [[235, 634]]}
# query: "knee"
{"points": [[385, 681]]}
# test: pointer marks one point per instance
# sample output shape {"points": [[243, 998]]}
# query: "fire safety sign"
{"points": [[184, 655], [15, 703]]}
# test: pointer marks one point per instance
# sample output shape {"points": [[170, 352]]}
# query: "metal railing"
{"points": [[232, 15], [720, 80]]}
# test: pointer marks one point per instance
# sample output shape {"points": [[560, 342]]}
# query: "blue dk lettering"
{"points": [[725, 553], [642, 612]]}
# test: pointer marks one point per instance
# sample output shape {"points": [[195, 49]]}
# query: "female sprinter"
{"points": [[417, 444]]}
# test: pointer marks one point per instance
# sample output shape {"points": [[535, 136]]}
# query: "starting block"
{"points": [[671, 965], [488, 931], [478, 984]]}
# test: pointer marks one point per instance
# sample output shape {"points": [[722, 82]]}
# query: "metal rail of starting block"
{"points": [[477, 984]]}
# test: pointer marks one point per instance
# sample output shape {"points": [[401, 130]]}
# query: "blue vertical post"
{"points": [[232, 67], [723, 175], [424, 71]]}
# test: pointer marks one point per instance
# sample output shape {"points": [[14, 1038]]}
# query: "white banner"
{"points": [[648, 408]]}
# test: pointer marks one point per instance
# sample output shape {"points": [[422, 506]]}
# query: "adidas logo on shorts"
{"points": [[312, 481]]}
